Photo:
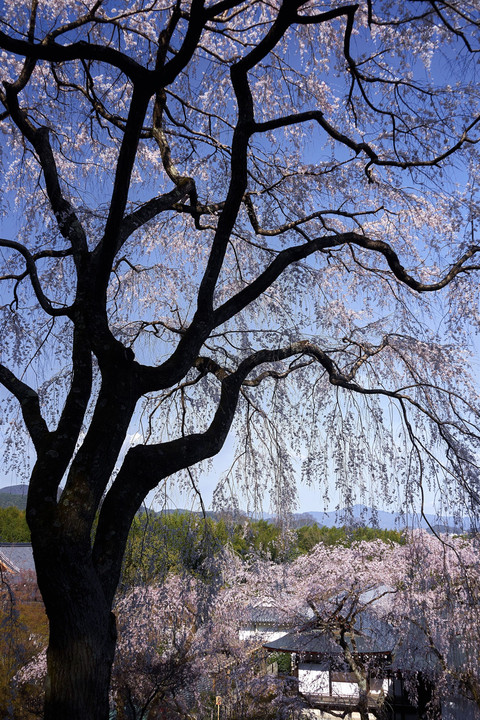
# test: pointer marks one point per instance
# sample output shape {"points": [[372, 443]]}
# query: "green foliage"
{"points": [[174, 542], [163, 543], [265, 538], [283, 660], [13, 525], [309, 536], [11, 500]]}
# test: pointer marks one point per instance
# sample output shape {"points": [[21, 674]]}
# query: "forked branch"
{"points": [[30, 405], [31, 271]]}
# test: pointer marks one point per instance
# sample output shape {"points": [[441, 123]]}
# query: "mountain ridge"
{"points": [[16, 495], [385, 520], [21, 489]]}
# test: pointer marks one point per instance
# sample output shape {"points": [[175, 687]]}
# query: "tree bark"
{"points": [[82, 636], [79, 661]]}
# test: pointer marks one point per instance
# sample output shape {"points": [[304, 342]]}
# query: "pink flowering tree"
{"points": [[426, 590], [251, 214], [157, 666], [332, 592], [348, 592], [437, 613], [179, 647]]}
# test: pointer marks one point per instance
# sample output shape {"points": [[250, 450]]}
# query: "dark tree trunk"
{"points": [[82, 637], [78, 599], [79, 660]]}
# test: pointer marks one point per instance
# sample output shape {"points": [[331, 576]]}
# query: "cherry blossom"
{"points": [[255, 218]]}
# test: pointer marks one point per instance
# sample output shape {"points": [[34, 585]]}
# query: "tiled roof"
{"points": [[17, 556], [372, 635]]}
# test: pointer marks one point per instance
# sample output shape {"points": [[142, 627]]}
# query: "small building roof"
{"points": [[275, 615], [16, 557], [372, 636]]}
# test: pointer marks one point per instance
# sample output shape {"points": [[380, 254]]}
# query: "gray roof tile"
{"points": [[17, 556]]}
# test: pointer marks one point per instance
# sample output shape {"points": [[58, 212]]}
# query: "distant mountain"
{"points": [[15, 489], [177, 511], [362, 515], [358, 515], [16, 495], [10, 500]]}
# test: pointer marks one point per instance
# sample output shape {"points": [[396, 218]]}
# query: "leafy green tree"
{"points": [[309, 536], [13, 525], [163, 543]]}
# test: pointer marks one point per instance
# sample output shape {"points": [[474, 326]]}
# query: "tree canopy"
{"points": [[183, 642], [13, 526], [251, 214]]}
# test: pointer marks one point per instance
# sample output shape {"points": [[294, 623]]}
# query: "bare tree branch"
{"points": [[66, 218], [31, 271], [30, 405], [374, 158], [54, 52]]}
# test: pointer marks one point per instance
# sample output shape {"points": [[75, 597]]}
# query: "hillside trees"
{"points": [[159, 544], [13, 526], [211, 212]]}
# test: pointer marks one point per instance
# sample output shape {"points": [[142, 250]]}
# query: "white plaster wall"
{"points": [[313, 679], [265, 635], [379, 686], [345, 689], [325, 715]]}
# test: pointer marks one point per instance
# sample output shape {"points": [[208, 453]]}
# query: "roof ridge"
{"points": [[8, 563]]}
